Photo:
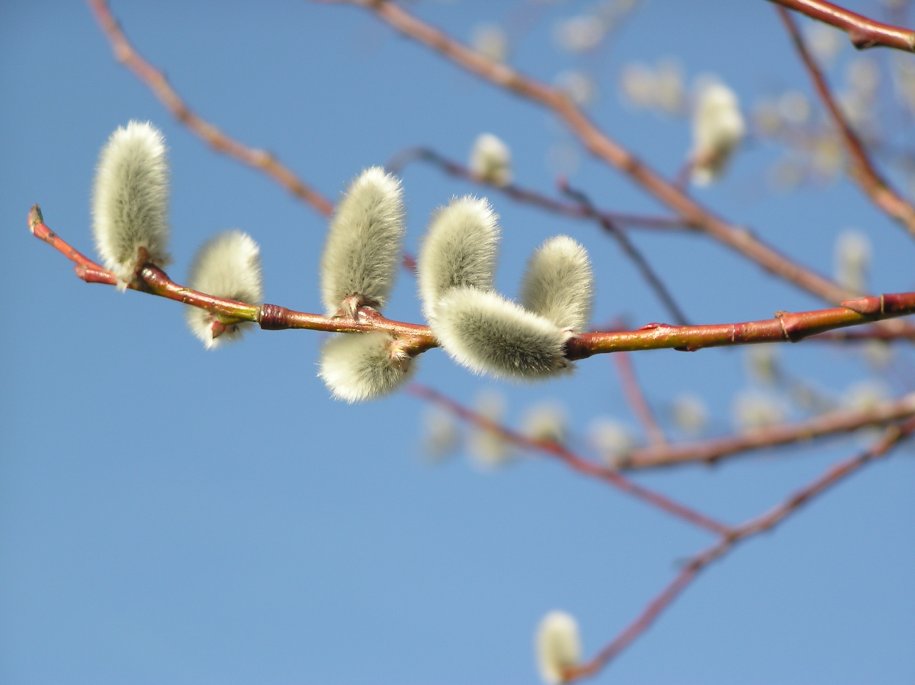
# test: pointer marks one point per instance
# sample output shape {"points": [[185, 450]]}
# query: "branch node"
{"points": [[272, 317]]}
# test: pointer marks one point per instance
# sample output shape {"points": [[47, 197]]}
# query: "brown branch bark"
{"points": [[863, 171], [785, 327], [156, 81], [862, 31]]}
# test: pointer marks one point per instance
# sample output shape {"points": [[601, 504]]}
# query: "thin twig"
{"points": [[554, 449], [637, 401], [785, 327], [532, 197], [892, 436], [863, 171], [601, 146], [825, 425], [219, 141], [632, 252], [862, 31]]}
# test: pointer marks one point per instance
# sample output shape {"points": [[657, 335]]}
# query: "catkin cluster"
{"points": [[476, 326], [130, 224]]}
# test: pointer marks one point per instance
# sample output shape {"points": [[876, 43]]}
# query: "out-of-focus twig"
{"points": [[649, 275], [637, 401], [532, 197], [830, 424], [219, 141], [572, 460], [863, 171], [892, 437], [603, 147]]}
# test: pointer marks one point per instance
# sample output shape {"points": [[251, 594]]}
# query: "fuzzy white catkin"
{"points": [[490, 160], [228, 266], [558, 284], [363, 244], [718, 128], [363, 366], [558, 646], [459, 250], [489, 334], [130, 200]]}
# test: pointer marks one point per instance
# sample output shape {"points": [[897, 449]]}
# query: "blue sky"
{"points": [[173, 515]]}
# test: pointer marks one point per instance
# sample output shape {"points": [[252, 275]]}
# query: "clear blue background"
{"points": [[169, 515]]}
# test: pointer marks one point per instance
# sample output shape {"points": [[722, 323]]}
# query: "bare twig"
{"points": [[865, 174], [892, 436], [575, 462], [637, 401], [601, 146], [219, 141], [786, 326], [532, 197], [863, 32], [825, 425], [649, 275]]}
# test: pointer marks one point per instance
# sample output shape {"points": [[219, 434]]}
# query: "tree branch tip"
{"points": [[35, 218]]}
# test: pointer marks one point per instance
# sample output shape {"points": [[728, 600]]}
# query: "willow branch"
{"points": [[892, 437], [825, 425], [785, 327], [863, 171], [863, 32], [156, 81], [154, 281], [576, 463], [603, 147]]}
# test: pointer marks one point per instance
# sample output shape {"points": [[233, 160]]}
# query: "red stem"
{"points": [[863, 32], [765, 522], [637, 401], [786, 326], [865, 174], [576, 463]]}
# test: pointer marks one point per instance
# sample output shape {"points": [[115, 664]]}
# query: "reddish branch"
{"points": [[786, 326], [219, 141], [826, 425], [863, 32], [601, 146], [892, 437], [865, 174], [637, 401], [558, 451]]}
